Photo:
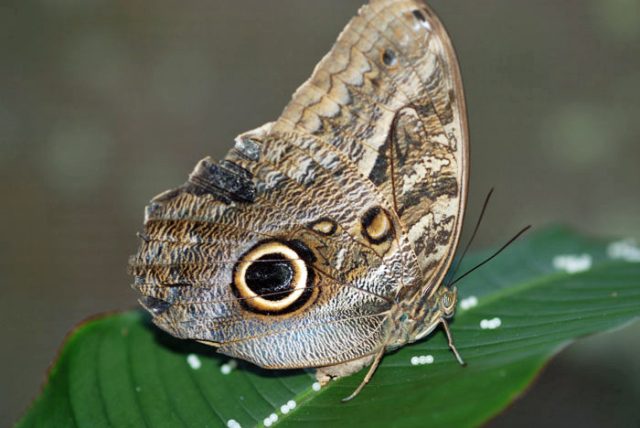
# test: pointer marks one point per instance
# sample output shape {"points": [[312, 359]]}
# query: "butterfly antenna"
{"points": [[473, 235], [494, 255]]}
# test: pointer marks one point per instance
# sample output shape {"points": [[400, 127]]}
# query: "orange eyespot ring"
{"points": [[273, 277]]}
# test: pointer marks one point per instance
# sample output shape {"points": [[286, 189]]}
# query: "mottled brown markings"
{"points": [[290, 179], [378, 174], [448, 113], [354, 138], [352, 130], [390, 82], [439, 187], [360, 141], [327, 126], [248, 148], [410, 65], [342, 111], [198, 233], [306, 326], [345, 163], [381, 33], [208, 222], [174, 301], [424, 109], [329, 147], [424, 246], [225, 180], [352, 88], [324, 274], [390, 139]]}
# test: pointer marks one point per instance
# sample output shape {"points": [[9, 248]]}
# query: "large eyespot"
{"points": [[377, 227], [274, 278]]}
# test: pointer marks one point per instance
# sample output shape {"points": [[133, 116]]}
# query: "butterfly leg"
{"points": [[445, 325], [367, 378]]}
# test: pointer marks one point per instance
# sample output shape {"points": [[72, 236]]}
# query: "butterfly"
{"points": [[322, 239]]}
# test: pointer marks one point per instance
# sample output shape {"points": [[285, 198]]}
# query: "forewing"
{"points": [[389, 97]]}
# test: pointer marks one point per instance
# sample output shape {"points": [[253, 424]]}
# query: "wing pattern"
{"points": [[363, 175]]}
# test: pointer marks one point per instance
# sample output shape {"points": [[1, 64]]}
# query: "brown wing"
{"points": [[372, 145], [389, 97]]}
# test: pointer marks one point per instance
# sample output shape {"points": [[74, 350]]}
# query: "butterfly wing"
{"points": [[295, 249], [389, 96]]}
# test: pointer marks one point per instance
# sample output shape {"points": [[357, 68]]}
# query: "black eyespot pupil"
{"points": [[419, 15], [270, 277], [389, 57]]}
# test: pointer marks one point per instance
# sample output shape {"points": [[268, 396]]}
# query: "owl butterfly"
{"points": [[322, 239]]}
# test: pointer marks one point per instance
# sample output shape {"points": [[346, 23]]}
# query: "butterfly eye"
{"points": [[273, 278]]}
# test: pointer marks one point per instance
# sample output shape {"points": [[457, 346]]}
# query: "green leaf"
{"points": [[121, 371]]}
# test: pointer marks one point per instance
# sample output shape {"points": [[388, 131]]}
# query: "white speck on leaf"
{"points": [[316, 386], [468, 303], [270, 420], [232, 423], [573, 263], [422, 360], [228, 367], [626, 250], [287, 407], [194, 362], [491, 324]]}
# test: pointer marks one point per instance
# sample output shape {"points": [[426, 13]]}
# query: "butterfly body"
{"points": [[322, 239]]}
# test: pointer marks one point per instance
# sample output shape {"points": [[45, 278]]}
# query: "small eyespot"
{"points": [[377, 227], [422, 20], [273, 277], [389, 58], [419, 15], [324, 226]]}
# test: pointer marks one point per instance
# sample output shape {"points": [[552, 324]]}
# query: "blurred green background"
{"points": [[104, 104]]}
